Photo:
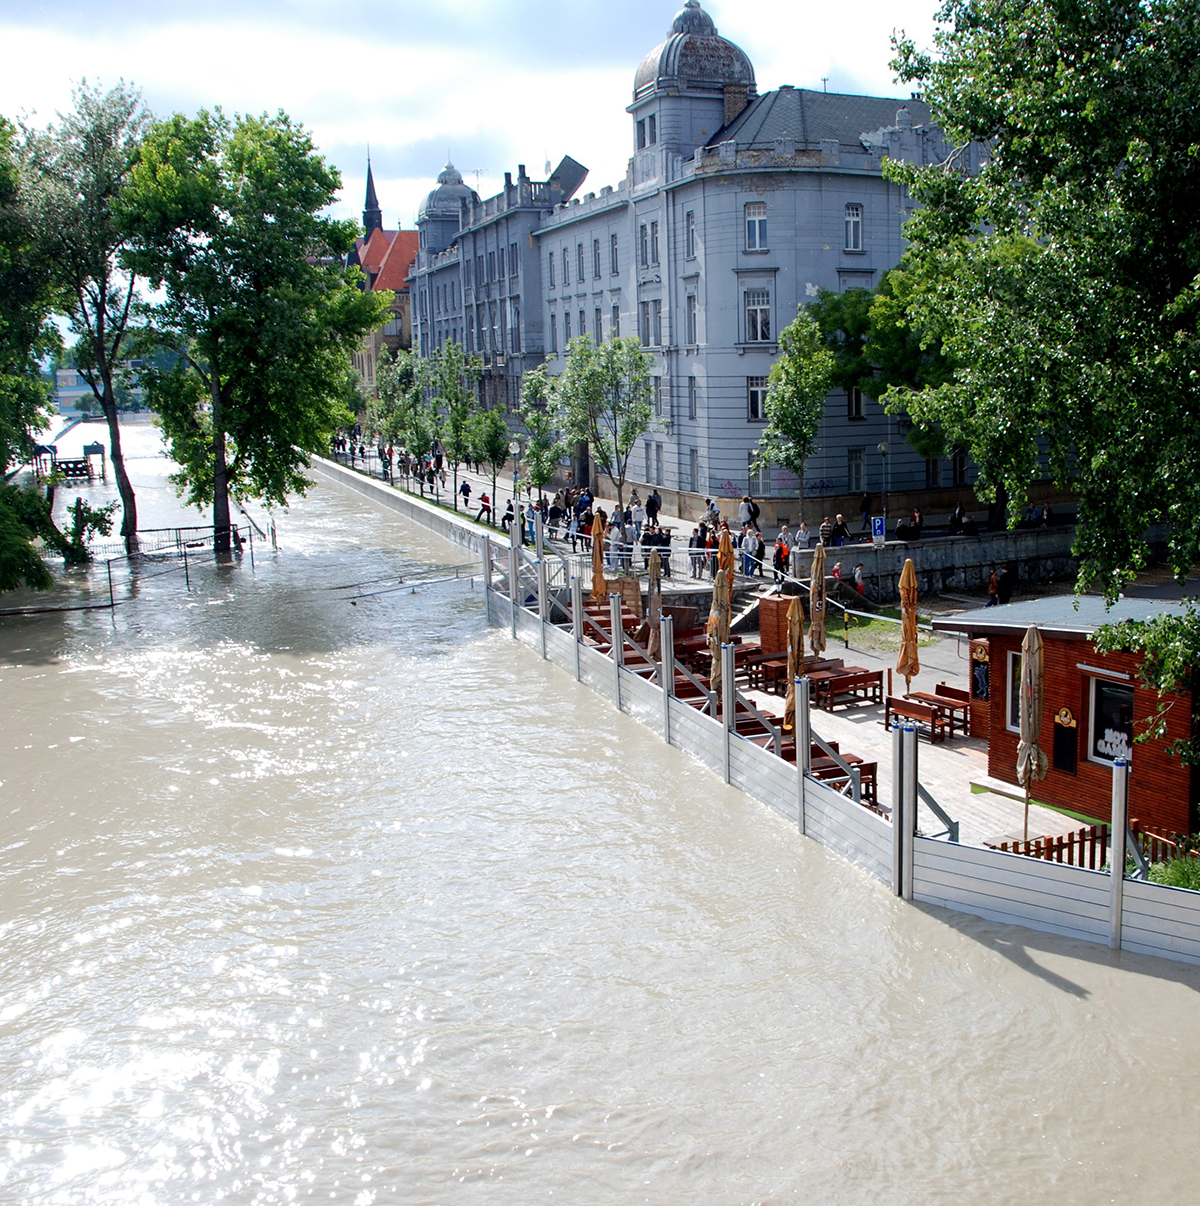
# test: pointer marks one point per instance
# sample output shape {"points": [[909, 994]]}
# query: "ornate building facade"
{"points": [[736, 209]]}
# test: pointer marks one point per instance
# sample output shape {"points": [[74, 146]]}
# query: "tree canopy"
{"points": [[603, 397], [1062, 281], [544, 446], [229, 218]]}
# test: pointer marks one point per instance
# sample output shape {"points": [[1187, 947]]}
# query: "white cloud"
{"points": [[489, 107]]}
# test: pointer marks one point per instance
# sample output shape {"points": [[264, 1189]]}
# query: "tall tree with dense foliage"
{"points": [[451, 377], [800, 378], [603, 396], [75, 175], [1063, 280], [489, 442], [545, 445], [230, 225], [395, 380]]}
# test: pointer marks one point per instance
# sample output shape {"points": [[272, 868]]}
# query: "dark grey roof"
{"points": [[1068, 614], [807, 117]]}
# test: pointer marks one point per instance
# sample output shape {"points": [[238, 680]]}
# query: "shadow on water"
{"points": [[1018, 945]]}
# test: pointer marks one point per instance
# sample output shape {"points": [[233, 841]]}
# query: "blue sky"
{"points": [[491, 84]]}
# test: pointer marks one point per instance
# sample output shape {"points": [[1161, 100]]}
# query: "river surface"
{"points": [[301, 900]]}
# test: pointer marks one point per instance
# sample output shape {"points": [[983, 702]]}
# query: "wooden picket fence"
{"points": [[1088, 847]]}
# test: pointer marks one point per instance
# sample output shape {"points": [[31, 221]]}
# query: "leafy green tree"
{"points": [[452, 376], [1062, 281], [489, 443], [75, 176], [230, 225], [603, 397], [800, 378], [395, 380], [24, 516], [545, 444]]}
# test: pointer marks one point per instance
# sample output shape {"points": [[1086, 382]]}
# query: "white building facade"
{"points": [[736, 209]]}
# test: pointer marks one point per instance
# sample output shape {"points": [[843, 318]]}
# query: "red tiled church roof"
{"points": [[393, 271]]}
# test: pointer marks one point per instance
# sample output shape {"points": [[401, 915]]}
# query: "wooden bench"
{"points": [[867, 776], [74, 470], [851, 686], [934, 722]]}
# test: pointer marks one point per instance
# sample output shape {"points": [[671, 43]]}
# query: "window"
{"points": [[1014, 691], [512, 259], [649, 453], [613, 260], [554, 334], [651, 129], [566, 267], [691, 397], [854, 403], [658, 464], [641, 136], [644, 323], [693, 482], [502, 273], [479, 276], [854, 214], [759, 475], [567, 327], [933, 472], [692, 310], [552, 270], [657, 396], [689, 229], [615, 329], [491, 266], [582, 323], [654, 242], [644, 244], [958, 467], [1112, 721], [758, 316], [599, 326], [756, 399], [656, 314], [756, 226], [514, 325], [579, 262], [854, 469], [596, 259]]}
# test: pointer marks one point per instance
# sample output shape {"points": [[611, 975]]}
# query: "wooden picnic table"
{"points": [[855, 681], [950, 708]]}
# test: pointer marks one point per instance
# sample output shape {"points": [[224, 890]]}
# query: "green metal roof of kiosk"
{"points": [[1065, 615]]}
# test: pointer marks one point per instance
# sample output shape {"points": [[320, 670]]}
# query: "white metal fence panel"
{"points": [[641, 697], [848, 828], [766, 777], [697, 734], [1163, 921], [596, 670], [560, 648], [1013, 888]]}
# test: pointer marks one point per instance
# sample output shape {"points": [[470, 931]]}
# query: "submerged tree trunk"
{"points": [[222, 540], [129, 519]]}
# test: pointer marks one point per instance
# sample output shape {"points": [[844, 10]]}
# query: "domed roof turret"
{"points": [[694, 57], [447, 198]]}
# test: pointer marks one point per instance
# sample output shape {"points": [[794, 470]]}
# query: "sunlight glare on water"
{"points": [[367, 904]]}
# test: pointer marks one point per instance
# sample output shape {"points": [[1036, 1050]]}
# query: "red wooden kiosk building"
{"points": [[1094, 707]]}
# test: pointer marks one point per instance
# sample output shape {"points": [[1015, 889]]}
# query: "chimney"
{"points": [[736, 99], [508, 180]]}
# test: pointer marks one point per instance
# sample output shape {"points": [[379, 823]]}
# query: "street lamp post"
{"points": [[884, 449], [514, 448]]}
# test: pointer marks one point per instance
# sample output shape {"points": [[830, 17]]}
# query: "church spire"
{"points": [[372, 214]]}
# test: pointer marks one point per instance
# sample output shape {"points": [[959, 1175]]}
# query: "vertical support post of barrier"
{"points": [[577, 620], [728, 705], [539, 535], [617, 648], [666, 670], [803, 744], [909, 738], [111, 602], [856, 784], [897, 811], [251, 546], [487, 577], [274, 539], [514, 574], [1116, 854], [187, 578], [543, 607]]}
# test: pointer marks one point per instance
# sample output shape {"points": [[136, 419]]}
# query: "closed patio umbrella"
{"points": [[718, 627], [909, 661], [1032, 763], [795, 619], [599, 586], [654, 605], [725, 556], [816, 599]]}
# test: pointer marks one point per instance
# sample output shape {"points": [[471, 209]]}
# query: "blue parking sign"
{"points": [[878, 530]]}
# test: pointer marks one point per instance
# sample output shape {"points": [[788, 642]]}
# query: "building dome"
{"points": [[694, 57], [447, 198]]}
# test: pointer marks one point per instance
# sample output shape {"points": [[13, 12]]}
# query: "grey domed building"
{"points": [[736, 209]]}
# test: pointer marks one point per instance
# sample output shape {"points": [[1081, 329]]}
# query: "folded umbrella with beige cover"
{"points": [[909, 661], [599, 586], [795, 619], [816, 599], [1032, 763], [725, 557], [654, 606], [718, 627]]}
